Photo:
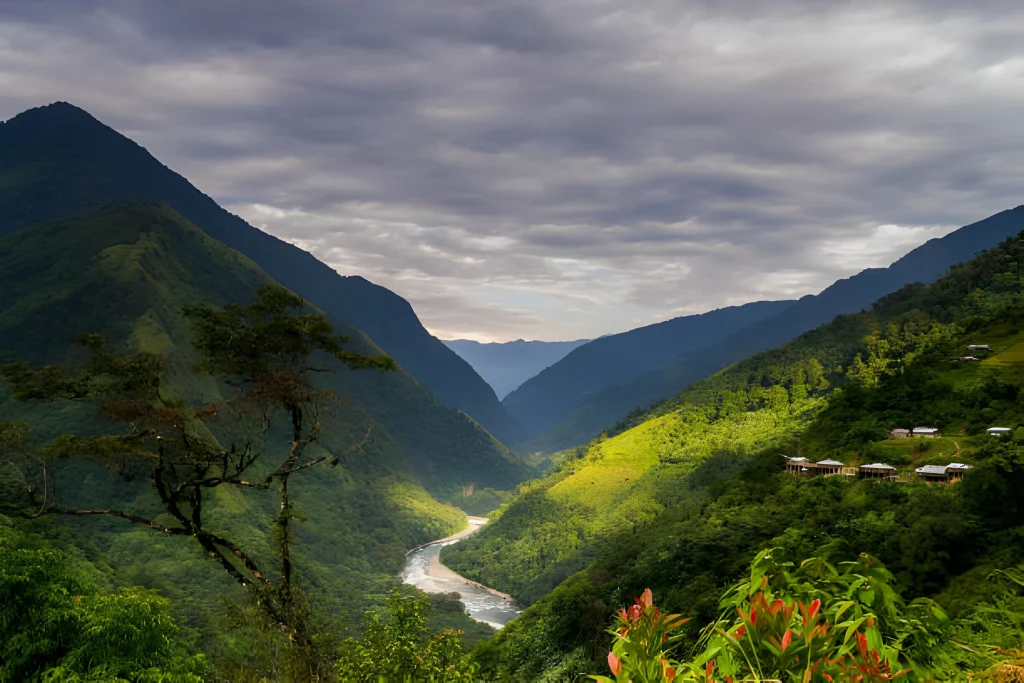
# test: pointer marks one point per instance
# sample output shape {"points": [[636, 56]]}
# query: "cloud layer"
{"points": [[559, 169]]}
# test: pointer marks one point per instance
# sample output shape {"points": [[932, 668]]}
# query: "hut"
{"points": [[979, 347], [828, 468], [955, 471], [932, 473], [797, 465], [943, 474], [962, 359], [927, 432], [899, 433], [998, 431], [877, 470]]}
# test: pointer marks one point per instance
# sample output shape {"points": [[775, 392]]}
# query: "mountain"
{"points": [[681, 502], [610, 360], [59, 161], [125, 271], [924, 264], [506, 365]]}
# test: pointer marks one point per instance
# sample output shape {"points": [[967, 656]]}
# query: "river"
{"points": [[424, 570]]}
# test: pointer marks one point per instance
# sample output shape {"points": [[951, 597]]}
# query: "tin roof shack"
{"points": [[955, 471], [943, 474], [962, 359], [899, 433], [877, 470], [979, 347], [998, 431], [932, 473], [798, 465], [828, 468], [927, 432]]}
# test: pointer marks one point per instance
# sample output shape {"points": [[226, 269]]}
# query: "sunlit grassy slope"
{"points": [[126, 272], [892, 366], [679, 498]]}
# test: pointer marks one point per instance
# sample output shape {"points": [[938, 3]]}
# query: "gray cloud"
{"points": [[559, 168]]}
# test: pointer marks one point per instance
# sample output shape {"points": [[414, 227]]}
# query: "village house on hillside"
{"points": [[877, 470], [824, 468], [963, 359], [998, 431], [927, 432], [899, 433], [943, 474], [979, 347]]}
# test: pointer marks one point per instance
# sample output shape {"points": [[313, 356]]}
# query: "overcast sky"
{"points": [[557, 169]]}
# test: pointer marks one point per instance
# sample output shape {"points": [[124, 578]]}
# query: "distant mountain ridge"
{"points": [[58, 161], [506, 365], [553, 394], [924, 264]]}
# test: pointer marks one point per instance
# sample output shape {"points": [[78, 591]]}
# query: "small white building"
{"points": [[998, 431], [927, 432], [979, 347], [943, 474], [877, 470], [899, 433]]}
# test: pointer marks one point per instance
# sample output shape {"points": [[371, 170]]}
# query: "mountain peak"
{"points": [[58, 113]]}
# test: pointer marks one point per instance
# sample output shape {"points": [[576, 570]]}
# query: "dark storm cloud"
{"points": [[559, 168]]}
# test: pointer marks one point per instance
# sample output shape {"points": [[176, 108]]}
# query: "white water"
{"points": [[481, 605]]}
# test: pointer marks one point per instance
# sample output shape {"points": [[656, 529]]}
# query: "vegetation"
{"points": [[56, 626], [402, 648], [814, 623], [255, 362]]}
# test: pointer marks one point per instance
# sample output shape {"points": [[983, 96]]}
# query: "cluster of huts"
{"points": [[826, 468], [945, 474], [933, 432]]}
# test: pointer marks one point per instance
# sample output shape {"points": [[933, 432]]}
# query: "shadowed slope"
{"points": [[58, 160]]}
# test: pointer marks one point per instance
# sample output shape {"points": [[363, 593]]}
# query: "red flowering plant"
{"points": [[811, 623], [643, 642], [814, 623]]}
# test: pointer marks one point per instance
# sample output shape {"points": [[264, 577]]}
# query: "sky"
{"points": [[559, 169]]}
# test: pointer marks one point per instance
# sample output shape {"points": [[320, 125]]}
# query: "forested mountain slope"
{"points": [[506, 365], [682, 501], [610, 360], [924, 264], [57, 161], [126, 272]]}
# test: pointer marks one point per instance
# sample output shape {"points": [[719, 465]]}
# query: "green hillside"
{"points": [[691, 363], [681, 498], [58, 161], [125, 272]]}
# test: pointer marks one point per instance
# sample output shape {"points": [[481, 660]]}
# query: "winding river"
{"points": [[424, 570]]}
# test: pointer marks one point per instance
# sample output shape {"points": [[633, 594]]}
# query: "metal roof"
{"points": [[926, 430], [932, 469], [998, 429], [877, 466], [957, 466], [801, 459], [830, 462]]}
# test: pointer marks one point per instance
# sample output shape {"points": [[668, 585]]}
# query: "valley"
{"points": [[235, 463]]}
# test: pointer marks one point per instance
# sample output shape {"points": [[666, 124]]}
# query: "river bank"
{"points": [[424, 570]]}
